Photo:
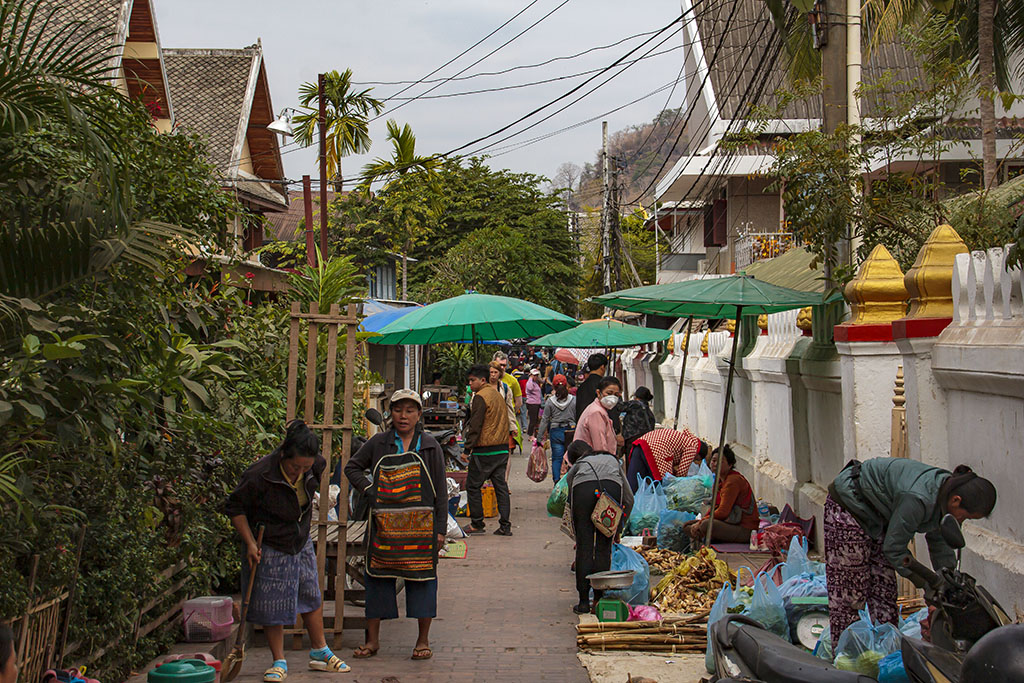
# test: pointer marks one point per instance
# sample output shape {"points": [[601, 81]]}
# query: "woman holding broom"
{"points": [[276, 493]]}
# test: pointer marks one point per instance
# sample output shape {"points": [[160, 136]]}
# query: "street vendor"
{"points": [[276, 492], [664, 451], [872, 512], [593, 473], [595, 423], [408, 519], [735, 510]]}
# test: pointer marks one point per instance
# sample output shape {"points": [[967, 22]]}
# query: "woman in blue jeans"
{"points": [[559, 415]]}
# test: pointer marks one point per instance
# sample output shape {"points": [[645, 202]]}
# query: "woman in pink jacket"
{"points": [[595, 424]]}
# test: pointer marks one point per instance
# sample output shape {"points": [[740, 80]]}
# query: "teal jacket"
{"points": [[904, 500]]}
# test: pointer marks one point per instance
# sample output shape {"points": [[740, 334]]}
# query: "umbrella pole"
{"points": [[476, 350], [682, 370], [725, 419]]}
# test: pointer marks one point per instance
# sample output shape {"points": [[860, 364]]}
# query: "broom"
{"points": [[233, 662]]}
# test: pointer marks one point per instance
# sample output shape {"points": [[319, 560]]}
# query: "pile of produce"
{"points": [[669, 635], [662, 559], [693, 585]]}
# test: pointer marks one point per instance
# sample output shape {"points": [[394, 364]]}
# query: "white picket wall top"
{"points": [[984, 290]]}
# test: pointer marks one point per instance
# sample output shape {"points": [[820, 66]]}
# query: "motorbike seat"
{"points": [[771, 658]]}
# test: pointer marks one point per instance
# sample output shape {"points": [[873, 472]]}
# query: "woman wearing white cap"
{"points": [[534, 398], [408, 520]]}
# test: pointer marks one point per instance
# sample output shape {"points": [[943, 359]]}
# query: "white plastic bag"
{"points": [[454, 531]]}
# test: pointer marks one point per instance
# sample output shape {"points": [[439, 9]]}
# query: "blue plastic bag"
{"points": [[911, 626], [863, 645], [891, 670], [724, 604], [767, 607], [648, 503], [671, 534], [804, 586], [625, 559]]}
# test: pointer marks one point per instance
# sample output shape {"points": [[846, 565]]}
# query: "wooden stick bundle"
{"points": [[672, 634]]}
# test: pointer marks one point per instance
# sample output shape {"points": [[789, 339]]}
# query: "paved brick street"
{"points": [[504, 613]]}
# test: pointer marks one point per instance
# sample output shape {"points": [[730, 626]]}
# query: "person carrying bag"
{"points": [[596, 484]]}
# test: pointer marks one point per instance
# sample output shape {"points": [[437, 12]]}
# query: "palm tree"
{"points": [[991, 36], [403, 162], [54, 77], [348, 113]]}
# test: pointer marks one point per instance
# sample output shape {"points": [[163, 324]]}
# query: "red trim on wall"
{"points": [[909, 328], [863, 333]]}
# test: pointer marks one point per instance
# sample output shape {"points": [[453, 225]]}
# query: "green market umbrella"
{"points": [[476, 317], [604, 333], [733, 296]]}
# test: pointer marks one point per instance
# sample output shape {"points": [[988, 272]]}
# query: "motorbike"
{"points": [[965, 616]]}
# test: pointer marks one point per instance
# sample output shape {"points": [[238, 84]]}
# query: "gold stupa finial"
{"points": [[877, 295], [762, 322], [930, 280], [730, 326], [704, 344], [670, 344], [804, 319]]}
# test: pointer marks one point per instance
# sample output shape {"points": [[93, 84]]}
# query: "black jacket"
{"points": [[383, 443], [264, 497]]}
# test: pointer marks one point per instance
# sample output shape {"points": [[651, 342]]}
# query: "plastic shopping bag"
{"points": [[863, 645], [911, 626], [823, 650], [724, 604], [767, 608], [644, 613], [891, 670], [647, 506], [687, 494], [537, 467], [796, 559], [454, 531], [671, 534], [559, 494], [626, 559]]}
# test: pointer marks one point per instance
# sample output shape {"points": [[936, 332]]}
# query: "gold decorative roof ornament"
{"points": [[804, 319], [878, 294], [762, 322], [704, 343], [930, 280], [730, 326], [670, 344]]}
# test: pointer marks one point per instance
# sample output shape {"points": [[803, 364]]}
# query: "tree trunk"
{"points": [[987, 90]]}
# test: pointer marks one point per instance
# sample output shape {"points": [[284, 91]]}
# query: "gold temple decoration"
{"points": [[930, 279], [877, 295], [804, 318], [762, 321], [704, 344], [730, 326], [670, 345]]}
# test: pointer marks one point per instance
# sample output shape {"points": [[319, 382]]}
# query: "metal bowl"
{"points": [[611, 580]]}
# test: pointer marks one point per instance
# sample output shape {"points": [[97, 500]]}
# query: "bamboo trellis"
{"points": [[333, 321]]}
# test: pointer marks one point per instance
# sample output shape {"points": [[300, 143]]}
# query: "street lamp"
{"points": [[282, 125]]}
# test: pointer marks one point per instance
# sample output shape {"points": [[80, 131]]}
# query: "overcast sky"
{"points": [[392, 40]]}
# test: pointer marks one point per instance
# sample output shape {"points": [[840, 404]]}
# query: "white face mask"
{"points": [[610, 402]]}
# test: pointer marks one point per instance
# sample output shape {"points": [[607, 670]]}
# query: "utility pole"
{"points": [[307, 201], [606, 211], [853, 68], [615, 229], [322, 125], [830, 39]]}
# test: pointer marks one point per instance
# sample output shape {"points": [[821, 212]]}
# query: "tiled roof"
{"points": [[209, 90], [284, 226], [745, 43], [109, 16]]}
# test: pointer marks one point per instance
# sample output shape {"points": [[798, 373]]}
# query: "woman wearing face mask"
{"points": [[595, 424], [559, 416]]}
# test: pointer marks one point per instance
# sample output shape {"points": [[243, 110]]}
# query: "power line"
{"points": [[511, 68], [470, 48], [459, 73]]}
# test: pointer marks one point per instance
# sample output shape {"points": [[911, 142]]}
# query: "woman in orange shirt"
{"points": [[735, 511]]}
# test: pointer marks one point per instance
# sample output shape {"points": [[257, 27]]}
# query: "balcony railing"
{"points": [[757, 246]]}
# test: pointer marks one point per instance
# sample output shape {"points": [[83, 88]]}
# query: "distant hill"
{"points": [[639, 150]]}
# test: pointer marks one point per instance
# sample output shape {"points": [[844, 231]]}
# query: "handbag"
{"points": [[566, 526], [607, 514]]}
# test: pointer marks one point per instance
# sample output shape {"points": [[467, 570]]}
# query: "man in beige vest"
{"points": [[487, 443]]}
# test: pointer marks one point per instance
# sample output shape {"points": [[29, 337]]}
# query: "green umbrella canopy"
{"points": [[710, 298], [473, 317], [603, 333]]}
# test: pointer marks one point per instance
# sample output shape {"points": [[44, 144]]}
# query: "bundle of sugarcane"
{"points": [[674, 634], [662, 559]]}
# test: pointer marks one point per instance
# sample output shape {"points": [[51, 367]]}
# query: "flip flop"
{"points": [[363, 652], [419, 653]]}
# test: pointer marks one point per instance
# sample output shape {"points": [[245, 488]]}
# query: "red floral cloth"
{"points": [[669, 451]]}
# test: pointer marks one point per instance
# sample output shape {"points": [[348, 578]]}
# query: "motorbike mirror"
{"points": [[374, 416], [951, 532]]}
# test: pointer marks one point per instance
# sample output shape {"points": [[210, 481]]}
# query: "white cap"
{"points": [[535, 371]]}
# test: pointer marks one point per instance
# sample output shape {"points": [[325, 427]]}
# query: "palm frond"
{"points": [[332, 281]]}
